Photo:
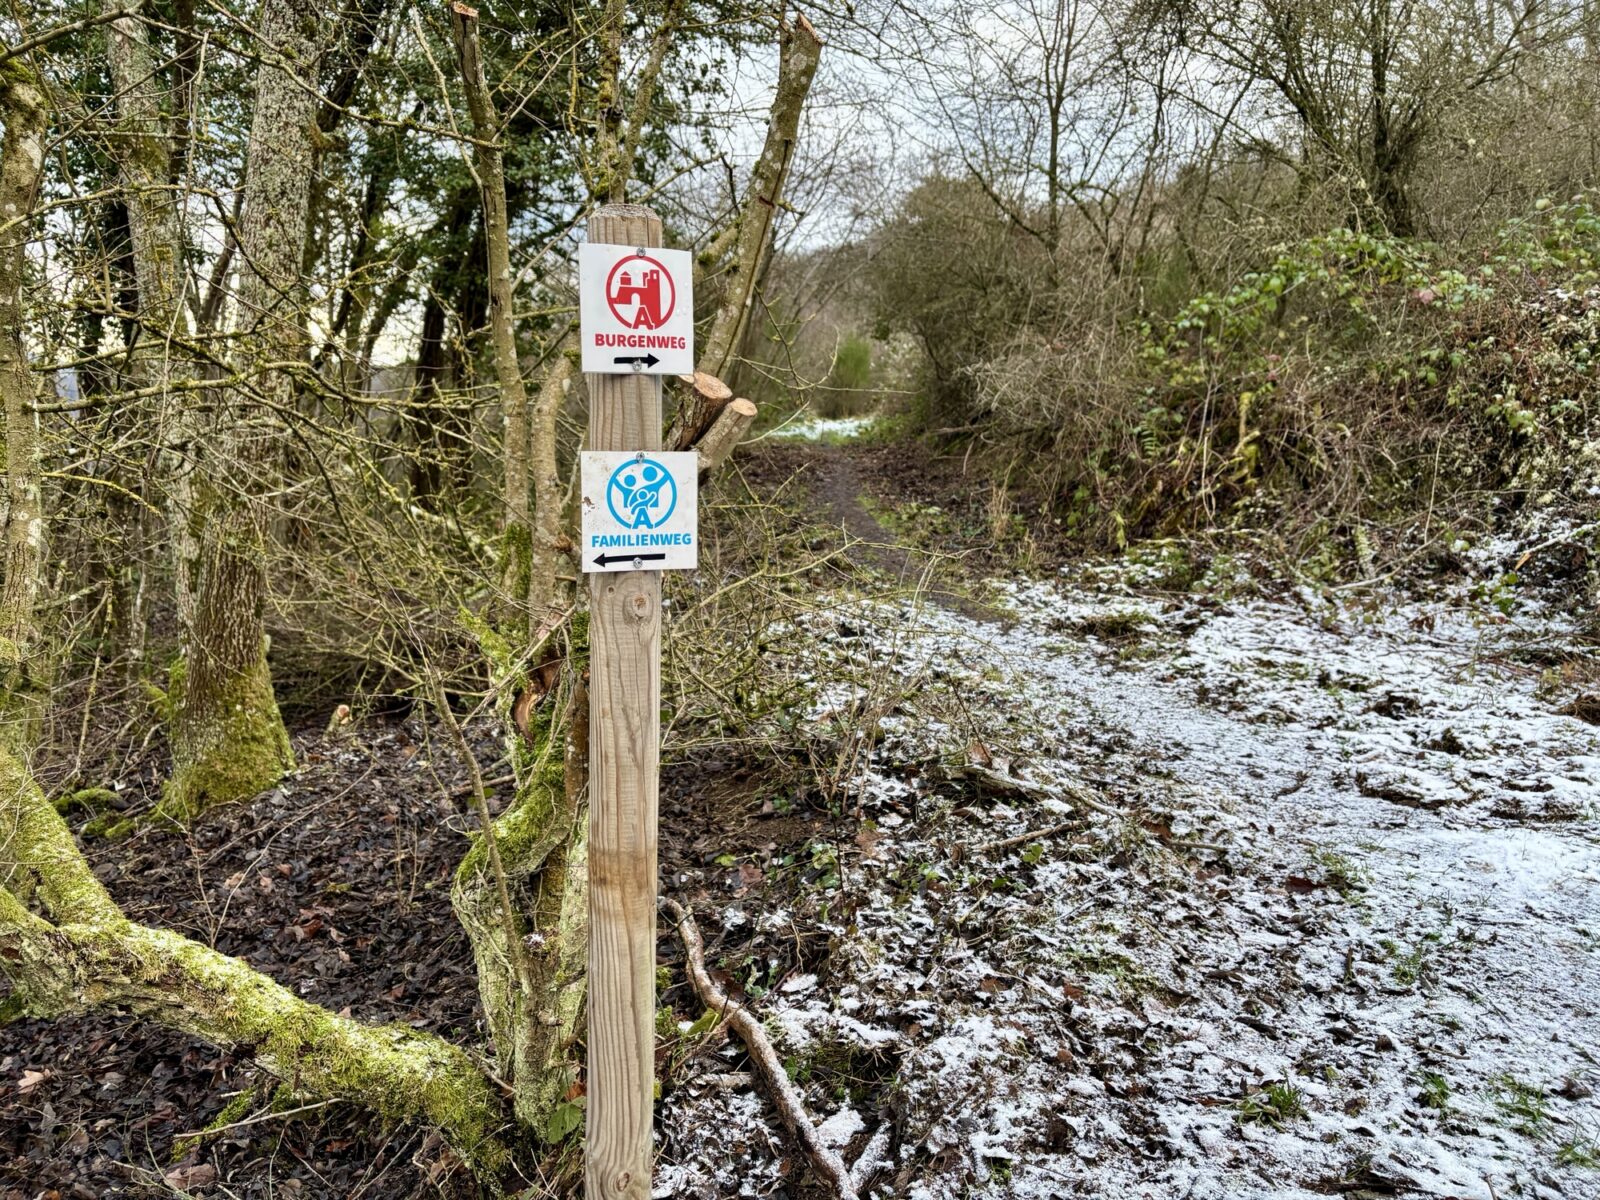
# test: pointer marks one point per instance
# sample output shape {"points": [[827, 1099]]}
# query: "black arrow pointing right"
{"points": [[605, 560], [648, 360]]}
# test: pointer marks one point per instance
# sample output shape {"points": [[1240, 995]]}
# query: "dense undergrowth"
{"points": [[1361, 395]]}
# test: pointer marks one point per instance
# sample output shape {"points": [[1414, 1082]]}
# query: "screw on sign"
{"points": [[636, 309]]}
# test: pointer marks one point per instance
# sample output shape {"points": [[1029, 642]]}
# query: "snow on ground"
{"points": [[808, 427], [1339, 932]]}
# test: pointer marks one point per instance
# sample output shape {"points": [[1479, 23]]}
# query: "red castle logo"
{"points": [[640, 292]]}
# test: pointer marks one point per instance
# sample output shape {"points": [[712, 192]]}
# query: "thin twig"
{"points": [[996, 781], [470, 790], [257, 1119], [7, 53], [1032, 835], [491, 846], [825, 1160]]}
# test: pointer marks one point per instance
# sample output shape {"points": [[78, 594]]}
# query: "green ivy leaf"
{"points": [[564, 1119]]}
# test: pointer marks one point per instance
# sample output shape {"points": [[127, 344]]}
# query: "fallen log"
{"points": [[80, 954]]}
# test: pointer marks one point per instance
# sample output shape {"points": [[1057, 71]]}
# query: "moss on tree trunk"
{"points": [[228, 739], [118, 966], [236, 748], [533, 991], [24, 682]]}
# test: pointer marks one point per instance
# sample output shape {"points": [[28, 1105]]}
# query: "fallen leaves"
{"points": [[197, 1175], [1585, 707], [32, 1079]]}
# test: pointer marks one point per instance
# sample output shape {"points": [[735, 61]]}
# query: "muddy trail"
{"points": [[1152, 878], [836, 479]]}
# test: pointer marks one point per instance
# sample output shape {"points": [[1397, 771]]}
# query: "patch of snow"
{"points": [[838, 1129], [1352, 859], [809, 428]]}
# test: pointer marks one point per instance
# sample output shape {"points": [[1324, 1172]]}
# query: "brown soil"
{"points": [[838, 478]]}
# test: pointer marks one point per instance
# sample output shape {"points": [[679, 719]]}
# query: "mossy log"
{"points": [[121, 967], [81, 954]]}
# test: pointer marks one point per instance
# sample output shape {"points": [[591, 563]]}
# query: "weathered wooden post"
{"points": [[639, 511], [625, 736]]}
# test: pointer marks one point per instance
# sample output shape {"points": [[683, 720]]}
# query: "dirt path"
{"points": [[836, 476], [1170, 896]]}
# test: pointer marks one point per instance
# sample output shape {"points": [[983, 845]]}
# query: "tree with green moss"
{"points": [[24, 671], [227, 386], [228, 739]]}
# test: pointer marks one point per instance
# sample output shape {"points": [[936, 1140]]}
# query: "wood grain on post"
{"points": [[625, 734]]}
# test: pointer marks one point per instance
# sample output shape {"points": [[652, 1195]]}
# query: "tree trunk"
{"points": [[489, 166], [455, 305], [726, 432], [144, 160], [142, 147], [228, 738], [704, 397], [532, 991], [550, 587], [22, 675], [616, 144], [436, 427], [800, 50], [1391, 159]]}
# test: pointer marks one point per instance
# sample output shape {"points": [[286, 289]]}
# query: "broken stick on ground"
{"points": [[825, 1161]]}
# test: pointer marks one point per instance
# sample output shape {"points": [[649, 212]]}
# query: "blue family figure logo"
{"points": [[641, 494]]}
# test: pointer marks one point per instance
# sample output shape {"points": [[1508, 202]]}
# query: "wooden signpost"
{"points": [[625, 686]]}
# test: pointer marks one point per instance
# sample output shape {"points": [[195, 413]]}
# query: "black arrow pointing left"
{"points": [[605, 560], [648, 360]]}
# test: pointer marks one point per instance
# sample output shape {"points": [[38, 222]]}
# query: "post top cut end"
{"points": [[623, 210]]}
